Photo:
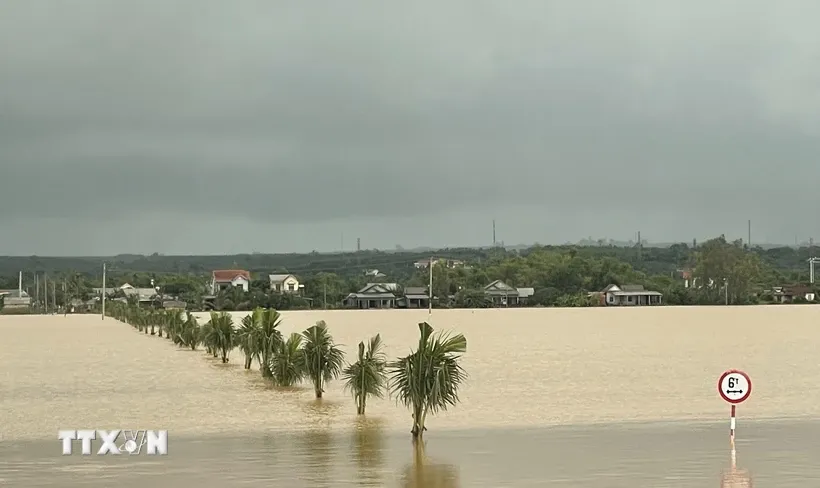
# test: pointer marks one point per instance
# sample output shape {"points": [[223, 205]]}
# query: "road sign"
{"points": [[734, 386]]}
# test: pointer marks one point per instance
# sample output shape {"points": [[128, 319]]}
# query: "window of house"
{"points": [[291, 287], [629, 299]]}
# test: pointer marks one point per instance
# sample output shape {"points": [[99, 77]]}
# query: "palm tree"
{"points": [[288, 362], [367, 376], [247, 335], [428, 379], [323, 359], [172, 324], [219, 335], [190, 333], [269, 340]]}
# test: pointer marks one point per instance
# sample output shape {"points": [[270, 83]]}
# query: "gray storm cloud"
{"points": [[272, 118]]}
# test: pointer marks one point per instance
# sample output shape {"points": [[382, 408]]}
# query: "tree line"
{"points": [[561, 276], [426, 381]]}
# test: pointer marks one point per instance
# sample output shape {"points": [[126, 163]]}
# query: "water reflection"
{"points": [[735, 477], [368, 450], [424, 473], [316, 448]]}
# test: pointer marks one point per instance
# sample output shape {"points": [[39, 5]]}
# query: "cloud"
{"points": [[285, 114]]}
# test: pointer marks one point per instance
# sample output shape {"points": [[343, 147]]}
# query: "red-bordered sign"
{"points": [[734, 386]]}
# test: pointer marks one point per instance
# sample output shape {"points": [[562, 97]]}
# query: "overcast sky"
{"points": [[189, 127]]}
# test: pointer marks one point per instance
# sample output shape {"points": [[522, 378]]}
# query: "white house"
{"points": [[284, 283], [226, 278], [627, 295]]}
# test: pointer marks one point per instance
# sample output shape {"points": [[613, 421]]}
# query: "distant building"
{"points": [[143, 295], [284, 283], [228, 278], [15, 299], [630, 295], [373, 295], [501, 294], [449, 263], [414, 297], [788, 294]]}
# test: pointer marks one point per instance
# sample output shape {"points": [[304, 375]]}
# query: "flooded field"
{"points": [[563, 397]]}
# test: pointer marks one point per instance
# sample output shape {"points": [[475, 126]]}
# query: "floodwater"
{"points": [[588, 398]]}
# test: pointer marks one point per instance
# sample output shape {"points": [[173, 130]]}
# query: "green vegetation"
{"points": [[323, 360], [427, 380], [366, 377], [561, 275]]}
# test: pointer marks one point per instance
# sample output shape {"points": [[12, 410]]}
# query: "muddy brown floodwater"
{"points": [[583, 398]]}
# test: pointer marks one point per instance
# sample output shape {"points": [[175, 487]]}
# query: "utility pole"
{"points": [[430, 291], [749, 237], [726, 291], [103, 294], [37, 289], [640, 247], [45, 293], [358, 244], [494, 241], [325, 295]]}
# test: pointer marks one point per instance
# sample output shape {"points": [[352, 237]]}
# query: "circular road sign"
{"points": [[734, 386]]}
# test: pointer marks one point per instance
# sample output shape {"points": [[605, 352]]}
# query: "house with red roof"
{"points": [[222, 279]]}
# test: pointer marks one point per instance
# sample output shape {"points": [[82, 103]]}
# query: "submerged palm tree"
{"points": [[190, 333], [323, 359], [269, 340], [247, 336], [367, 376], [427, 380], [288, 362], [219, 335]]}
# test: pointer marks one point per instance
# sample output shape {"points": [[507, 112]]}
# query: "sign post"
{"points": [[734, 386]]}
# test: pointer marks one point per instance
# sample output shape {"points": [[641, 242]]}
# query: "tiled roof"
{"points": [[278, 278], [230, 274]]}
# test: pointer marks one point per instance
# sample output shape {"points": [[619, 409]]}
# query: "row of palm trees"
{"points": [[426, 381]]}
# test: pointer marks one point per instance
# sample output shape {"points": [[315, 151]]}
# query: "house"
{"points": [[15, 299], [687, 277], [226, 278], [504, 295], [788, 294], [414, 297], [373, 295], [450, 263], [284, 283], [374, 273], [614, 295], [425, 263], [142, 295]]}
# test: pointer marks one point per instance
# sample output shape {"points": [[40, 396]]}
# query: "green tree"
{"points": [[726, 271], [288, 362], [366, 377], [219, 335], [428, 379], [246, 336], [270, 340], [323, 359], [190, 332]]}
